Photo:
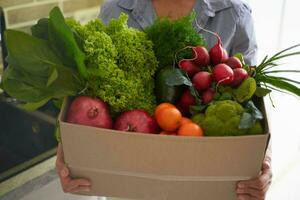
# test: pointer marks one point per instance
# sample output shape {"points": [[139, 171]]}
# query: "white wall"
{"points": [[278, 27]]}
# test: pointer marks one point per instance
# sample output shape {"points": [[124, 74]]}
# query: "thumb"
{"points": [[64, 172], [266, 165]]}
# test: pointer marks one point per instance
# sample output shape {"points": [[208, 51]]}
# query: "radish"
{"points": [[240, 75], [217, 53], [225, 56], [89, 111], [189, 67], [223, 74], [201, 56], [187, 99], [184, 103], [208, 96], [202, 80], [234, 62]]}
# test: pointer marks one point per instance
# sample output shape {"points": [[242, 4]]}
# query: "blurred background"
{"points": [[277, 27]]}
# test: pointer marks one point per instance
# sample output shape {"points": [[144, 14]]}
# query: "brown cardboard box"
{"points": [[158, 167]]}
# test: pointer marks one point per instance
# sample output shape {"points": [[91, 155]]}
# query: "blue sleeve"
{"points": [[105, 12], [244, 40]]}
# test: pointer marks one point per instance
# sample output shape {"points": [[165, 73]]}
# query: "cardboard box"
{"points": [[158, 167]]}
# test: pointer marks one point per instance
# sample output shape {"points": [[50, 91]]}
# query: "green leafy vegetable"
{"points": [[176, 77], [261, 92], [63, 41], [267, 73], [250, 116], [36, 73], [121, 64], [223, 118], [171, 36], [245, 91], [40, 30]]}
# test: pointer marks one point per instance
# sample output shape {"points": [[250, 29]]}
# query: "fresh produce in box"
{"points": [[120, 76]]}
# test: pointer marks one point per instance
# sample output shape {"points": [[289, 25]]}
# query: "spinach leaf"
{"points": [[62, 40], [40, 30], [35, 74]]}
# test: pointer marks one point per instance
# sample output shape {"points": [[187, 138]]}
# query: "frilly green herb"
{"points": [[171, 36], [121, 64]]}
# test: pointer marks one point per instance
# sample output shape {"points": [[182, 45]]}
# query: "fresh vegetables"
{"points": [[171, 36], [121, 64], [211, 77], [201, 56], [269, 75], [123, 72], [239, 75], [222, 74], [189, 67], [217, 53], [114, 62], [222, 118], [234, 62], [37, 72], [164, 91], [89, 111], [202, 80]]}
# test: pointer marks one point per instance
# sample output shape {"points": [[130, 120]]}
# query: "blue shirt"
{"points": [[231, 19]]}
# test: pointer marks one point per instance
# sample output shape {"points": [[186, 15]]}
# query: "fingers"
{"points": [[255, 193], [246, 197], [258, 183], [257, 188], [72, 185], [81, 189], [64, 172], [69, 185]]}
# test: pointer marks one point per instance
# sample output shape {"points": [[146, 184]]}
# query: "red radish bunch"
{"points": [[208, 70], [192, 66]]}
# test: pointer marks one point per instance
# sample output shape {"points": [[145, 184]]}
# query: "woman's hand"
{"points": [[68, 184], [256, 189]]}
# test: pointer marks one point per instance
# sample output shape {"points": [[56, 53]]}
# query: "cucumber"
{"points": [[164, 92]]}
